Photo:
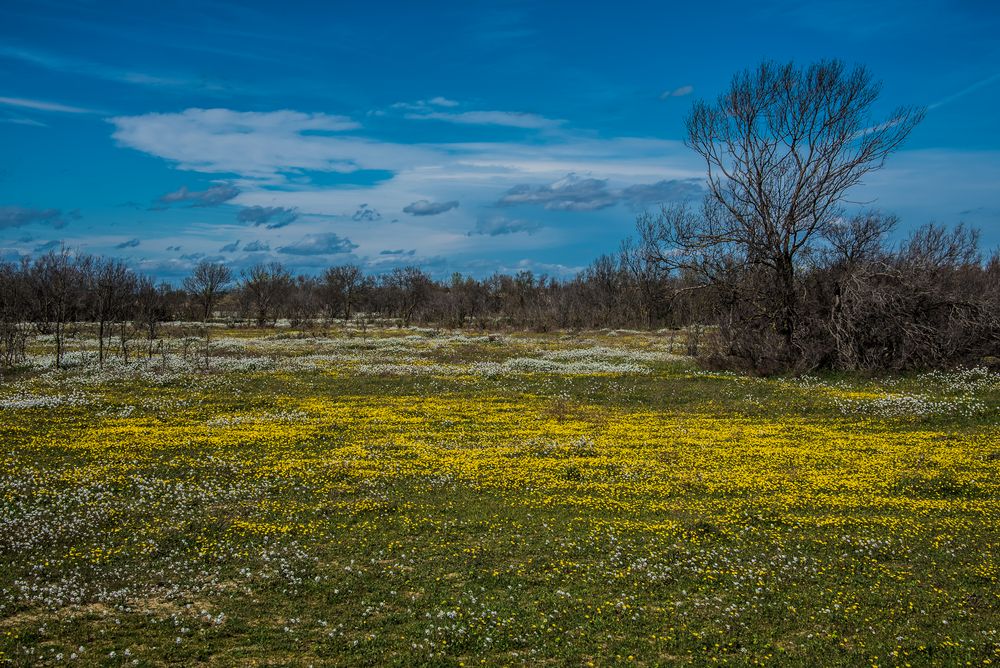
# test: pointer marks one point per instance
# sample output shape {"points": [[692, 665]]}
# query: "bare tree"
{"points": [[783, 147], [111, 285], [151, 310], [56, 291], [206, 284], [264, 290], [339, 290], [408, 289], [13, 311]]}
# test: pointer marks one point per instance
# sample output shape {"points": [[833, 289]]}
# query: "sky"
{"points": [[467, 136]]}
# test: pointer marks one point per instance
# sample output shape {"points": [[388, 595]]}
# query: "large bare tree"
{"points": [[783, 147]]}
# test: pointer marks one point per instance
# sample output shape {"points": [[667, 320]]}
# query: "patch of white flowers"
{"points": [[23, 400], [911, 405]]}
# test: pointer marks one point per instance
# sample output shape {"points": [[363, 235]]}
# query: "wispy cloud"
{"points": [[680, 91], [88, 68], [426, 105], [131, 243], [44, 105], [512, 119], [442, 109], [17, 120], [982, 83]]}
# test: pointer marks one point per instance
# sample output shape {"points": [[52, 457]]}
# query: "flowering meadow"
{"points": [[423, 497]]}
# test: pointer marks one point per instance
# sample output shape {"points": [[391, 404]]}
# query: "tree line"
{"points": [[929, 301], [57, 293]]}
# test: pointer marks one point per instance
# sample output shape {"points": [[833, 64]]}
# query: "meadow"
{"points": [[403, 496]]}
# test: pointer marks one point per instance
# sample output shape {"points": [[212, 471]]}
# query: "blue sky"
{"points": [[461, 136]]}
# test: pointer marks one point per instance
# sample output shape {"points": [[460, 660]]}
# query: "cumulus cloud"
{"points": [[257, 246], [16, 216], [271, 216], [424, 207], [319, 244], [230, 248], [677, 92], [366, 214], [567, 194], [495, 226], [131, 243], [213, 196], [573, 193]]}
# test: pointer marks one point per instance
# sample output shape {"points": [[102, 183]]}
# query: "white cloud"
{"points": [[677, 92], [273, 154], [257, 145]]}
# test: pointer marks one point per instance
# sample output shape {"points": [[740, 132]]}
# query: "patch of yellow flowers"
{"points": [[611, 466]]}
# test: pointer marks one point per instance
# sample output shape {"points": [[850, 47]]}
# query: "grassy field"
{"points": [[414, 497]]}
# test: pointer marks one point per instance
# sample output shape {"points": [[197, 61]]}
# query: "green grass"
{"points": [[650, 518]]}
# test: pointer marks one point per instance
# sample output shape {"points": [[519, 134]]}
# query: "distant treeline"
{"points": [[931, 301], [54, 293]]}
